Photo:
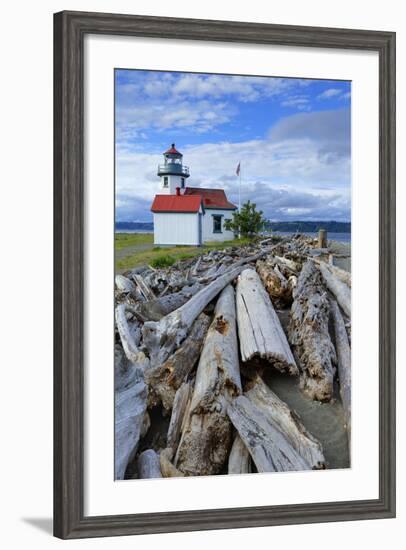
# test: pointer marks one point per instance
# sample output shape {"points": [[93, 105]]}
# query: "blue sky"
{"points": [[292, 137]]}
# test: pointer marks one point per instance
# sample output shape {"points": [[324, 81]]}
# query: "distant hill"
{"points": [[300, 226], [134, 226], [309, 227]]}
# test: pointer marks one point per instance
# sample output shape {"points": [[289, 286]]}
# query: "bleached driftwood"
{"points": [[148, 465], [344, 276], [290, 264], [259, 329], [163, 380], [343, 362], [340, 290], [269, 449], [178, 412], [144, 287], [167, 468], [162, 337], [206, 437], [239, 461], [154, 310], [309, 336], [275, 283], [288, 423], [124, 284], [195, 268], [127, 338], [130, 407]]}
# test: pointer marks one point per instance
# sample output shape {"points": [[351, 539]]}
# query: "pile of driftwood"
{"points": [[191, 344]]}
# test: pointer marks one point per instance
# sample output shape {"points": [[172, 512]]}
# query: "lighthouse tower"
{"points": [[172, 173]]}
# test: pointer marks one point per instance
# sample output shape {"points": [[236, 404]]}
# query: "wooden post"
{"points": [[322, 238]]}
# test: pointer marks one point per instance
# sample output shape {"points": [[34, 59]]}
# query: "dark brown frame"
{"points": [[69, 31]]}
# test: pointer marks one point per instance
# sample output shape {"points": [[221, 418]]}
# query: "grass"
{"points": [[163, 261], [122, 240], [163, 256]]}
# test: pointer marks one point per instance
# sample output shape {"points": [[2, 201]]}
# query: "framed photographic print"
{"points": [[224, 274]]}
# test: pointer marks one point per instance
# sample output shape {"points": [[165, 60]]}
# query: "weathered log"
{"points": [[144, 287], [162, 337], [148, 465], [124, 284], [309, 336], [275, 283], [195, 268], [322, 238], [167, 468], [259, 329], [290, 264], [343, 362], [163, 380], [154, 310], [127, 338], [288, 423], [340, 290], [269, 449], [206, 437], [130, 407], [178, 412], [341, 274], [239, 461]]}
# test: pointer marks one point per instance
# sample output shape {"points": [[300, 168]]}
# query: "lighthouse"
{"points": [[172, 172], [186, 215]]}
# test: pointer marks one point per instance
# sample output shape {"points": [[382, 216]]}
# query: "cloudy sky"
{"points": [[292, 137]]}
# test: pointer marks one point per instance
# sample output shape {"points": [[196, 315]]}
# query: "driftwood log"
{"points": [[309, 335], [148, 465], [165, 379], [275, 283], [130, 408], [206, 437], [239, 461], [344, 276], [127, 337], [343, 362], [167, 467], [162, 337], [260, 331], [154, 310], [180, 405], [288, 423], [269, 449], [340, 290]]}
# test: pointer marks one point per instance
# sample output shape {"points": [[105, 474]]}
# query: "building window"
{"points": [[217, 224], [182, 182], [166, 181]]}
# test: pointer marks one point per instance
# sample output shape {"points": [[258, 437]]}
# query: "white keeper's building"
{"points": [[187, 215]]}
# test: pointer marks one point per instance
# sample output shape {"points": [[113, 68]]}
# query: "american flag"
{"points": [[238, 169]]}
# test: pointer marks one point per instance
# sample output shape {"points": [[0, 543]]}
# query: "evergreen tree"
{"points": [[248, 222]]}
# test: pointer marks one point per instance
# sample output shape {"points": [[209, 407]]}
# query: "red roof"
{"points": [[172, 151], [212, 198], [176, 203]]}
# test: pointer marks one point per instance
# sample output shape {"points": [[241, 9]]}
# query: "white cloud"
{"points": [[327, 94], [284, 172]]}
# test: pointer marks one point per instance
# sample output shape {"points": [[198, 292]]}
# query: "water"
{"points": [[134, 230], [341, 237]]}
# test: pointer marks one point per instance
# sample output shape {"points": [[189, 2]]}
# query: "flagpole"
{"points": [[239, 195], [239, 192]]}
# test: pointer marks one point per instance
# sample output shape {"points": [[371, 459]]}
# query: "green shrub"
{"points": [[163, 261]]}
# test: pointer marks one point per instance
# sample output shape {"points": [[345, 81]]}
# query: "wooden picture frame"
{"points": [[70, 29]]}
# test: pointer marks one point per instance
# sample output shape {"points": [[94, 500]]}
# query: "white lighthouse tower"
{"points": [[172, 173]]}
